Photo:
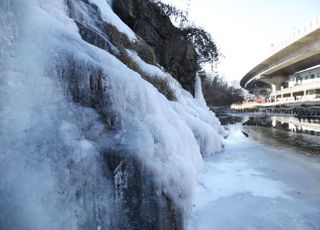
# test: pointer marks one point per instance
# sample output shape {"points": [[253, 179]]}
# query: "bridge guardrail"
{"points": [[297, 34]]}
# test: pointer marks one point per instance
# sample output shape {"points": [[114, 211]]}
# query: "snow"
{"points": [[59, 11], [50, 152], [51, 175], [151, 70], [153, 130], [110, 17], [256, 186], [45, 156], [194, 111]]}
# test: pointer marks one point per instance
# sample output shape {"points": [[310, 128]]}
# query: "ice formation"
{"points": [[53, 143], [256, 185]]}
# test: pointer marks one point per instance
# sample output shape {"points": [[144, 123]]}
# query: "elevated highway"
{"points": [[302, 51]]}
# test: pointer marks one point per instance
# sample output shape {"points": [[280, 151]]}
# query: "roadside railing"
{"points": [[297, 34], [306, 86]]}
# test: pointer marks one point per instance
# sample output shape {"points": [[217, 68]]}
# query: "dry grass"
{"points": [[122, 42], [163, 86], [124, 58], [145, 52], [118, 39]]}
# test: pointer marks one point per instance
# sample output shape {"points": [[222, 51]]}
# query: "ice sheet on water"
{"points": [[254, 186], [226, 179]]}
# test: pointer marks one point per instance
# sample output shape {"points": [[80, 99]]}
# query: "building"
{"points": [[301, 86], [291, 74]]}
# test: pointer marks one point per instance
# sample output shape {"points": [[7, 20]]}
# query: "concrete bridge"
{"points": [[300, 52]]}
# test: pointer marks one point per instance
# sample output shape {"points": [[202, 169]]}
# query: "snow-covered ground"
{"points": [[252, 185]]}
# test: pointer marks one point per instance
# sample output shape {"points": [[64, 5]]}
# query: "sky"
{"points": [[244, 30]]}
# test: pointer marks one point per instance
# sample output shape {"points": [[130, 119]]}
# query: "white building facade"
{"points": [[301, 86]]}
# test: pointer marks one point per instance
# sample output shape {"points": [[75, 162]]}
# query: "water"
{"points": [[290, 132], [268, 177]]}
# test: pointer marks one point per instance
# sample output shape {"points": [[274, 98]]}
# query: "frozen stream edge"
{"points": [[254, 186]]}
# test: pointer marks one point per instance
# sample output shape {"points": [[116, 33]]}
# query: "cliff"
{"points": [[95, 134], [173, 51]]}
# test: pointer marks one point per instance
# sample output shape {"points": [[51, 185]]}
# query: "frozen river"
{"points": [[259, 183]]}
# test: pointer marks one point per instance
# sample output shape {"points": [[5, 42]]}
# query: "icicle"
{"points": [[198, 92]]}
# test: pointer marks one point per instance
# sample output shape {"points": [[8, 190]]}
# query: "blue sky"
{"points": [[245, 29]]}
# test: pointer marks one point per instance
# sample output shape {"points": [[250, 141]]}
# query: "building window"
{"points": [[312, 76], [318, 75], [298, 78], [311, 92]]}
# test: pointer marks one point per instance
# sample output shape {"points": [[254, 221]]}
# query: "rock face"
{"points": [[173, 51], [86, 141], [137, 195], [137, 200]]}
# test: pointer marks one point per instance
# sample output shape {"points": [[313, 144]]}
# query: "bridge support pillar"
{"points": [[274, 81]]}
